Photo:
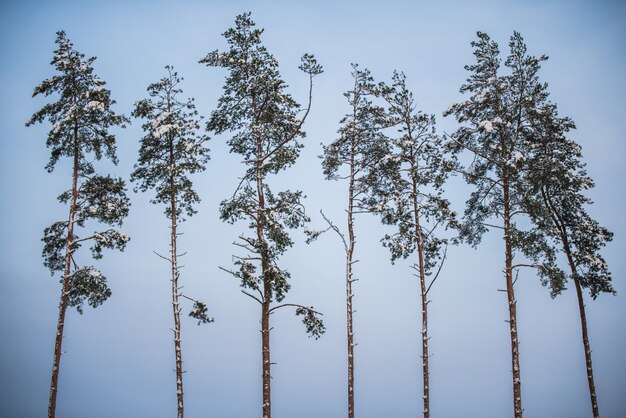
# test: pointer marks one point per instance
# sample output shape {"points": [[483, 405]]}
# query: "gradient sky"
{"points": [[119, 359]]}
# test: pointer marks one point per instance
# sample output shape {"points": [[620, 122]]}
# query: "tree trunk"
{"points": [[66, 284], [267, 287], [265, 347], [175, 274], [422, 276], [581, 304], [349, 310], [517, 383], [583, 325]]}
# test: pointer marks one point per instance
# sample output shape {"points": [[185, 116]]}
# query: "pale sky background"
{"points": [[119, 358]]}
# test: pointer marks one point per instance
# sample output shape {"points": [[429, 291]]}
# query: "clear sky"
{"points": [[119, 360]]}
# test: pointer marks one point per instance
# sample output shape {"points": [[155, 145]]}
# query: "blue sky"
{"points": [[119, 358]]}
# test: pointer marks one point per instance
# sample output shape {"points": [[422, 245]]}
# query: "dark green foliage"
{"points": [[55, 241], [81, 119], [171, 150], [87, 284], [254, 104], [516, 131], [314, 326], [172, 147], [361, 146], [416, 170], [111, 239], [501, 128], [83, 106], [103, 199], [278, 281], [267, 131], [555, 198], [200, 312], [543, 255]]}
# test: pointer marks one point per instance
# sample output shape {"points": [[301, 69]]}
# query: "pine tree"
{"points": [[359, 148], [267, 133], [414, 199], [557, 180], [171, 150], [499, 132], [81, 120]]}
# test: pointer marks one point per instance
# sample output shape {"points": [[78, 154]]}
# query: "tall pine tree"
{"points": [[557, 180], [171, 150], [414, 199], [81, 119], [355, 157], [498, 133], [267, 134]]}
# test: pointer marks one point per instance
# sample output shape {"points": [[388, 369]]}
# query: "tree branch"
{"points": [[295, 132], [295, 305], [443, 259], [252, 296], [336, 229]]}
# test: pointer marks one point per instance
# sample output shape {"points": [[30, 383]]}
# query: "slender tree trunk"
{"points": [[175, 294], [66, 284], [267, 288], [581, 304], [422, 276], [349, 310], [265, 347], [583, 325], [517, 383]]}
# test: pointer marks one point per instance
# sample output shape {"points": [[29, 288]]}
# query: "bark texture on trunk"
{"points": [[175, 295], [510, 291], [56, 363], [349, 309], [587, 347], [422, 277], [265, 347], [424, 300], [267, 287]]}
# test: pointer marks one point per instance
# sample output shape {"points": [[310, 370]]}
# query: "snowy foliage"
{"points": [[556, 202], [200, 312], [314, 326], [412, 194], [172, 147], [266, 132], [83, 108], [516, 133], [81, 119], [361, 149], [87, 284], [500, 129]]}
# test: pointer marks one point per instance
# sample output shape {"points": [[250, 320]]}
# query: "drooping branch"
{"points": [[298, 128], [443, 259], [294, 305], [253, 297], [336, 229]]}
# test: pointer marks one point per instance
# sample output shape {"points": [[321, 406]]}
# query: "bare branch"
{"points": [[164, 258], [336, 229], [252, 296], [537, 266]]}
